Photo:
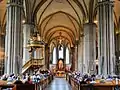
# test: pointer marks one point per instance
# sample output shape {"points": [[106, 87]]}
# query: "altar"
{"points": [[60, 69], [60, 74]]}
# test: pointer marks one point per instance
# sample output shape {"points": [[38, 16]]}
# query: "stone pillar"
{"points": [[64, 54], [106, 44], [1, 48], [89, 48], [76, 56], [80, 56], [13, 43], [27, 28], [47, 51], [73, 58], [57, 53]]}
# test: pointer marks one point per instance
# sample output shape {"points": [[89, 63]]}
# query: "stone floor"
{"points": [[59, 84]]}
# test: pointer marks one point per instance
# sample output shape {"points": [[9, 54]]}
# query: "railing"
{"points": [[32, 62]]}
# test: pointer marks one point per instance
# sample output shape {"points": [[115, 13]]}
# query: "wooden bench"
{"points": [[38, 86], [6, 86], [99, 87], [24, 87]]}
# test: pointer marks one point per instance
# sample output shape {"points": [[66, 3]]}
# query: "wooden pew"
{"points": [[43, 83], [6, 86], [38, 86], [99, 87], [24, 87]]}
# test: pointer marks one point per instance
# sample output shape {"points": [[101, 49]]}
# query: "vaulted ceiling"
{"points": [[53, 17], [60, 19], [2, 16]]}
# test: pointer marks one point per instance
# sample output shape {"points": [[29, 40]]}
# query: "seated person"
{"points": [[10, 80], [18, 81], [28, 81]]}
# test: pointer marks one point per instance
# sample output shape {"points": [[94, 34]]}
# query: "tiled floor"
{"points": [[59, 84]]}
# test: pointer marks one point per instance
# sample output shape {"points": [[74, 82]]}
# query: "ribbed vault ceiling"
{"points": [[2, 16], [65, 16]]}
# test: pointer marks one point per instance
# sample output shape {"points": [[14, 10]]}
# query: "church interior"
{"points": [[71, 44]]}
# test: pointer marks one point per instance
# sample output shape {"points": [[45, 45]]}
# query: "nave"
{"points": [[40, 39], [59, 84]]}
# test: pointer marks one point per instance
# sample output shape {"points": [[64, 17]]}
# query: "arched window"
{"points": [[67, 56], [61, 52], [54, 56]]}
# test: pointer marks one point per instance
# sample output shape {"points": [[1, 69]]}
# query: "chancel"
{"points": [[60, 44], [60, 68], [60, 65]]}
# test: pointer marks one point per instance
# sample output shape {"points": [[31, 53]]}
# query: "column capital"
{"points": [[77, 42], [105, 3], [72, 49], [14, 4], [29, 23], [90, 24]]}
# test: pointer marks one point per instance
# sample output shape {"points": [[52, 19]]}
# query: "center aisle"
{"points": [[59, 84]]}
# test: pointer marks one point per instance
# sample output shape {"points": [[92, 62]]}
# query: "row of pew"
{"points": [[38, 86], [92, 86]]}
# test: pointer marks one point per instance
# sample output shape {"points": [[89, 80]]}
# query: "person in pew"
{"points": [[83, 81], [10, 80], [28, 81], [38, 78], [18, 81], [34, 78], [4, 77], [24, 79]]}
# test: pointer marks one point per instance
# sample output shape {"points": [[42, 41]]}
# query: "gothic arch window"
{"points": [[61, 52], [54, 56], [67, 56]]}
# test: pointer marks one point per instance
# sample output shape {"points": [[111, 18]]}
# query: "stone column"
{"points": [[64, 54], [89, 48], [57, 53], [13, 44], [47, 51], [27, 29], [106, 43], [73, 58], [80, 56], [76, 56]]}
